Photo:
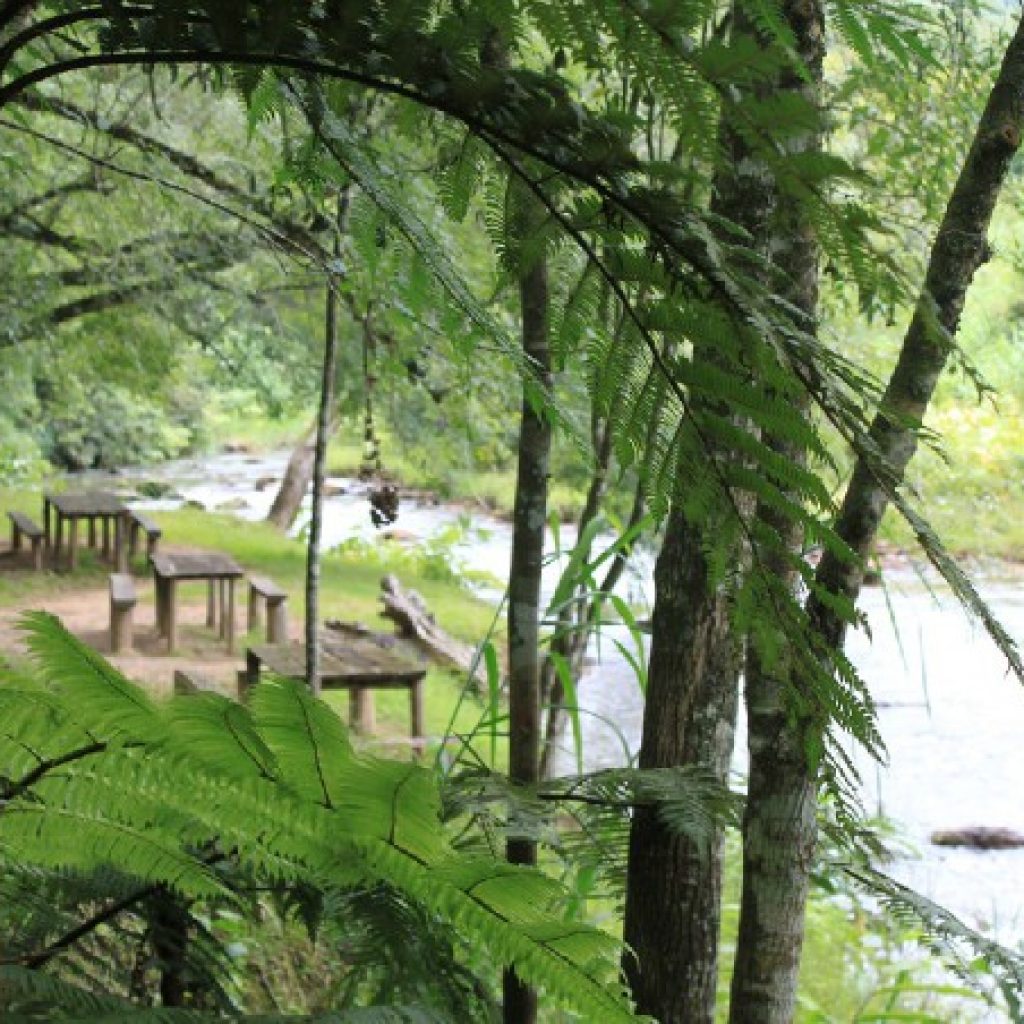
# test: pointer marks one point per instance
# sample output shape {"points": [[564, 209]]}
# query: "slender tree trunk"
{"points": [[960, 248], [528, 524], [320, 454], [673, 891], [780, 823]]}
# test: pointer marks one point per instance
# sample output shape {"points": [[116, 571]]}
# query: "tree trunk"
{"points": [[779, 829], [780, 823], [295, 483], [320, 453], [673, 891], [528, 524]]}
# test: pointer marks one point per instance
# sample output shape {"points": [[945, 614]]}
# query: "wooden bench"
{"points": [[22, 526], [139, 521], [122, 604], [266, 590]]}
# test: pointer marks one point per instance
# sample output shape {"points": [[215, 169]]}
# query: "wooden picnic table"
{"points": [[72, 506], [357, 664], [220, 571]]}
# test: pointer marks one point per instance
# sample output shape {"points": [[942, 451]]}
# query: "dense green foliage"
{"points": [[606, 119]]}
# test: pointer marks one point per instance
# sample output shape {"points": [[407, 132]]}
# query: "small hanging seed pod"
{"points": [[383, 505]]}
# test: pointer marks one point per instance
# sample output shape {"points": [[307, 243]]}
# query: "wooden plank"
{"points": [[122, 588], [266, 587], [25, 525]]}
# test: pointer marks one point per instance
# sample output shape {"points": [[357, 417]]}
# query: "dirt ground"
{"points": [[85, 611]]}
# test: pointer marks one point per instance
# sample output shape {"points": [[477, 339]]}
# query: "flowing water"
{"points": [[951, 717]]}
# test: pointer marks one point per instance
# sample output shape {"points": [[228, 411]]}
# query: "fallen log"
{"points": [[413, 620], [979, 837]]}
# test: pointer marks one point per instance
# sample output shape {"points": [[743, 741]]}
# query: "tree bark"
{"points": [[320, 453], [528, 525], [294, 483], [780, 823], [673, 890]]}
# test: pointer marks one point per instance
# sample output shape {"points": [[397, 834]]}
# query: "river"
{"points": [[951, 717]]}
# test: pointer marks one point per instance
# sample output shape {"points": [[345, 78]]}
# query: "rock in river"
{"points": [[979, 837]]}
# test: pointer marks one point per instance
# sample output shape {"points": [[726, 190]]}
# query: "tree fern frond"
{"points": [[221, 733], [309, 742], [110, 704]]}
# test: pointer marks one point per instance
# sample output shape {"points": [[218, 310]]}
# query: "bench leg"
{"points": [[252, 618], [121, 631], [277, 622], [152, 544], [252, 669]]}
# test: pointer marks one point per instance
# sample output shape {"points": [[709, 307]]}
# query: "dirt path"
{"points": [[85, 611]]}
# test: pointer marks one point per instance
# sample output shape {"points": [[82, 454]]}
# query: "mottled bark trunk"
{"points": [[780, 823], [960, 248], [674, 887], [528, 524], [329, 370], [673, 895]]}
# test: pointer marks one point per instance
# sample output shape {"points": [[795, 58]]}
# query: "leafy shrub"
{"points": [[110, 428]]}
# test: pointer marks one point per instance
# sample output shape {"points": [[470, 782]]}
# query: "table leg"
{"points": [[46, 522], [416, 712], [72, 543], [106, 536], [222, 631], [362, 713], [59, 539], [92, 531], [172, 615], [158, 597], [120, 542], [211, 604], [231, 616]]}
